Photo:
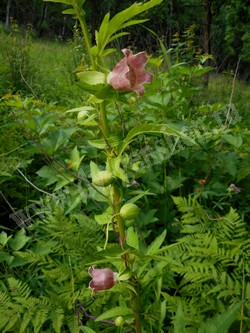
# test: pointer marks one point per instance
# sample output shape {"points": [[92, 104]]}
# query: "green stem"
{"points": [[137, 322], [135, 305], [103, 114], [104, 121], [85, 32], [115, 193]]}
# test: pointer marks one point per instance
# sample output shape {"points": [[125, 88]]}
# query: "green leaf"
{"points": [[154, 273], [70, 11], [117, 170], [156, 244], [199, 70], [174, 182], [58, 317], [86, 329], [86, 120], [118, 311], [66, 2], [5, 256], [92, 77], [120, 34], [132, 238], [63, 179], [119, 21], [109, 51], [48, 173], [179, 321], [81, 108], [221, 323], [75, 159], [57, 139], [105, 217], [234, 140], [154, 129], [19, 240], [93, 169], [25, 320], [133, 22], [4, 238]]}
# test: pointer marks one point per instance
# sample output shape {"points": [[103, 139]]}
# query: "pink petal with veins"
{"points": [[129, 73]]}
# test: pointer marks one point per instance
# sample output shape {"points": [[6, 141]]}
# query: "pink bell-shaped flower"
{"points": [[129, 73], [102, 279]]}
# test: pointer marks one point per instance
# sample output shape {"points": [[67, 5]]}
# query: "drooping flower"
{"points": [[129, 73], [102, 279]]}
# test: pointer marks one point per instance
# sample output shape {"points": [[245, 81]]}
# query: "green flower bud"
{"points": [[129, 211], [119, 321], [103, 178]]}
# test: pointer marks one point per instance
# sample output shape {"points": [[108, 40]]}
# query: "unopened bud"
{"points": [[103, 178], [129, 211], [119, 321]]}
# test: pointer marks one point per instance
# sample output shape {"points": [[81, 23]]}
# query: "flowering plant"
{"points": [[144, 263]]}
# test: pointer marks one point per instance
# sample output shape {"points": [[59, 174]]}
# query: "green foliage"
{"points": [[214, 270], [182, 264], [222, 322], [109, 28], [53, 264], [15, 49]]}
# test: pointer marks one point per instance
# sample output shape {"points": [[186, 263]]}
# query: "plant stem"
{"points": [[85, 32], [134, 299], [103, 121], [115, 193], [135, 305]]}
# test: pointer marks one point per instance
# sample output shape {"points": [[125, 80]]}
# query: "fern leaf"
{"points": [[39, 319], [57, 318]]}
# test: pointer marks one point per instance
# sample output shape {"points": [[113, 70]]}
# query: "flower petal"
{"points": [[137, 61], [102, 279], [129, 73], [117, 78]]}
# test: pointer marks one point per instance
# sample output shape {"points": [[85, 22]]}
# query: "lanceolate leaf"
{"points": [[179, 322], [70, 11], [118, 311], [86, 329], [66, 2], [156, 244], [121, 20], [154, 129], [78, 3]]}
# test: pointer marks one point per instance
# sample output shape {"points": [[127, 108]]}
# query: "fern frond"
{"points": [[57, 318], [39, 319], [72, 324], [221, 323], [18, 288]]}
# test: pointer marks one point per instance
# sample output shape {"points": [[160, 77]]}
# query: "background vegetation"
{"points": [[189, 246]]}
